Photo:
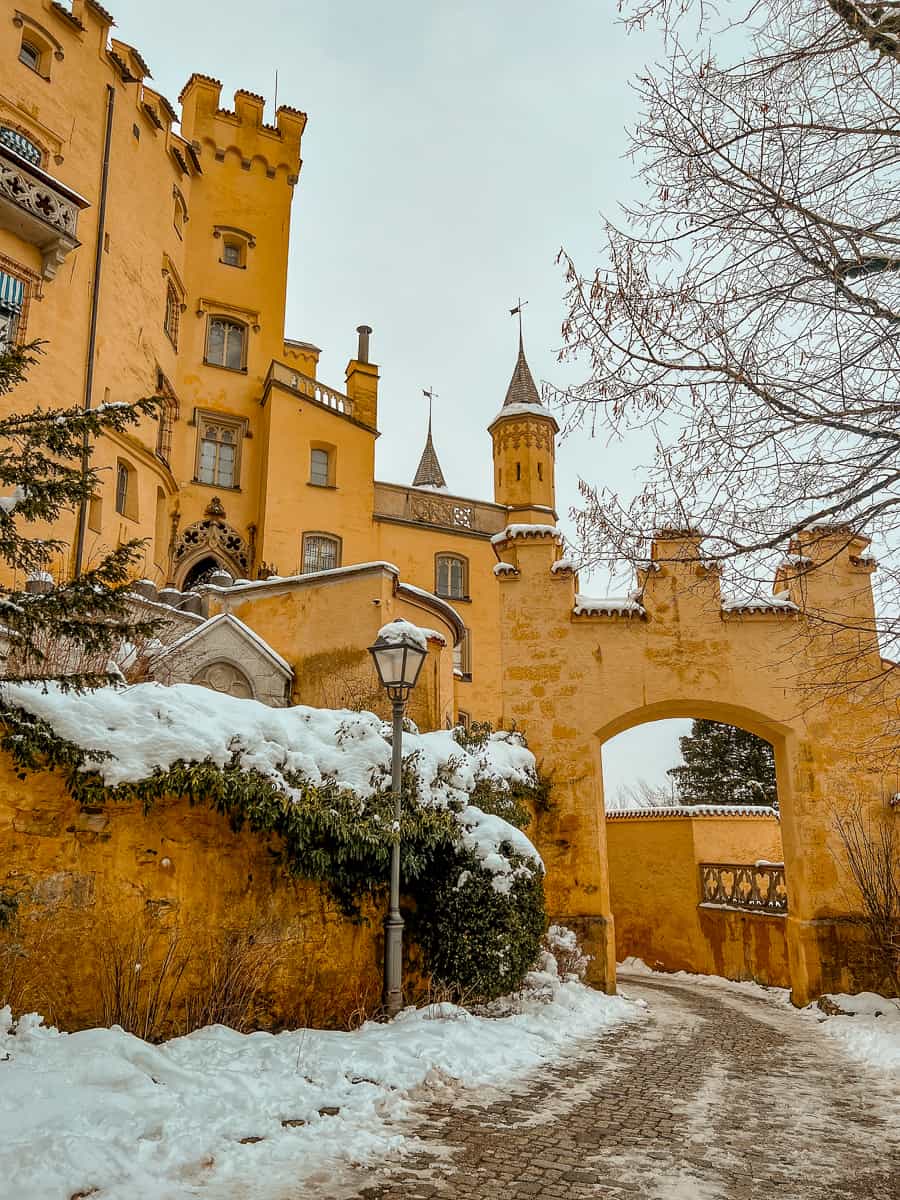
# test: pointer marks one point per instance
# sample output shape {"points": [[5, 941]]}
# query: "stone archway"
{"points": [[211, 538], [576, 671]]}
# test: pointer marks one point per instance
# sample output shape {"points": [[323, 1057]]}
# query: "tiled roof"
{"points": [[522, 388], [429, 473]]}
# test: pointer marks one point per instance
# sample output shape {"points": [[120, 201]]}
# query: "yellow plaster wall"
{"points": [[100, 886], [655, 893], [572, 682]]}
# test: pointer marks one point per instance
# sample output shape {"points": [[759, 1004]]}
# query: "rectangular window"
{"points": [[173, 315], [225, 343], [318, 468], [462, 655], [450, 578], [12, 300], [321, 552], [218, 453], [122, 488], [231, 254]]}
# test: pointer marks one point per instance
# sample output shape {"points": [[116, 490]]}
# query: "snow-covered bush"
{"points": [[320, 780]]}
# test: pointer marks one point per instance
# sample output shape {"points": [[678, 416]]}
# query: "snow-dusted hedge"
{"points": [[320, 779]]}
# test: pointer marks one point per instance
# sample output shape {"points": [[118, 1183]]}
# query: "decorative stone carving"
{"points": [[225, 677], [37, 211], [527, 432], [215, 508], [218, 538], [434, 511]]}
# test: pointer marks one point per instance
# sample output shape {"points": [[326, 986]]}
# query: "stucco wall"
{"points": [[655, 894], [100, 890]]}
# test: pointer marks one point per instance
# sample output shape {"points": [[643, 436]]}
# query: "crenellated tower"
{"points": [[524, 434]]}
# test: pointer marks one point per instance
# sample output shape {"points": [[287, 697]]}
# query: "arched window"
{"points": [[201, 572], [451, 577], [321, 552], [126, 490], [226, 343], [319, 467], [173, 314], [21, 145]]}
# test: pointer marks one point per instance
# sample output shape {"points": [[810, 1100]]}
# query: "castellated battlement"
{"points": [[207, 125]]}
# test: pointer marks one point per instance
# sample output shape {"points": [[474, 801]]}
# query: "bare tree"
{"points": [[872, 851], [748, 311]]}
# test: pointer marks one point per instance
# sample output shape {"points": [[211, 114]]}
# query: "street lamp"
{"points": [[399, 652]]}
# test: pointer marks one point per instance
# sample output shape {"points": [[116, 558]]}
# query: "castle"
{"points": [[153, 262]]}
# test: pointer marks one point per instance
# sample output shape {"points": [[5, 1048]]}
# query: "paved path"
{"points": [[720, 1095]]}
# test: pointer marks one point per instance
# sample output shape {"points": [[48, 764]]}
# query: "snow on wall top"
{"points": [[609, 606], [524, 531], [760, 604], [151, 726], [692, 810]]}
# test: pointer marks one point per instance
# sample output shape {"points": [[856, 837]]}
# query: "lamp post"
{"points": [[399, 652]]}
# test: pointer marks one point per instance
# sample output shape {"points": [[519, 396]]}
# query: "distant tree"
{"points": [[725, 765], [641, 794], [70, 631]]}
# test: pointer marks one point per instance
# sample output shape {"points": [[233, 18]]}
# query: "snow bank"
{"points": [[867, 1025], [218, 1110], [151, 726]]}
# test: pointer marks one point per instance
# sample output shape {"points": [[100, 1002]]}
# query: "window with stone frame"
{"points": [[16, 141], [451, 576], [173, 314], [218, 451], [13, 299], [226, 343], [321, 552]]}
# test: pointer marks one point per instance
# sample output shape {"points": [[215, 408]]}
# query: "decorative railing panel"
{"points": [[752, 887], [312, 389]]}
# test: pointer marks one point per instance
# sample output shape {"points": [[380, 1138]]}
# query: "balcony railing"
{"points": [[310, 388], [757, 887], [37, 208]]}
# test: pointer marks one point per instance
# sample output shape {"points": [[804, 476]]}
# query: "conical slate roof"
{"points": [[429, 473], [521, 388]]}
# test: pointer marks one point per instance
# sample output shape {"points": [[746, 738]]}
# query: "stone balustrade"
{"points": [[38, 208], [755, 887]]}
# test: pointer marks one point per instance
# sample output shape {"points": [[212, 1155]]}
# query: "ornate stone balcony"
{"points": [[310, 389], [38, 208], [757, 887]]}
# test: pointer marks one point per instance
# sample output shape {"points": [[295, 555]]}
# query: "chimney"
{"points": [[362, 353], [362, 381]]}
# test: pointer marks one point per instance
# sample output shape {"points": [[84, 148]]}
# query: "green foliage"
{"points": [[475, 939], [479, 941], [725, 765], [68, 633]]}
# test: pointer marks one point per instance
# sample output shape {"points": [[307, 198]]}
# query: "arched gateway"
{"points": [[578, 671]]}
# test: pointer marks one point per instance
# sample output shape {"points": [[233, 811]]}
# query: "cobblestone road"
{"points": [[720, 1095]]}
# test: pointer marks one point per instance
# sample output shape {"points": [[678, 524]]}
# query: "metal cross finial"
{"points": [[517, 311]]}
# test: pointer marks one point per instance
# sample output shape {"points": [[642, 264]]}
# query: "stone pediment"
{"points": [[226, 655]]}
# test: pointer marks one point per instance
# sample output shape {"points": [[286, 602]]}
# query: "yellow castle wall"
{"points": [[655, 892]]}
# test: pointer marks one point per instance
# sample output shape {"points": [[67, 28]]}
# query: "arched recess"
{"points": [[200, 570], [211, 538], [226, 677], [781, 736]]}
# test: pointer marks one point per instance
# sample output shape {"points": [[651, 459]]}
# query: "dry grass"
{"points": [[872, 848]]}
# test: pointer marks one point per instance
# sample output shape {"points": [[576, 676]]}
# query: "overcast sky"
{"points": [[451, 150]]}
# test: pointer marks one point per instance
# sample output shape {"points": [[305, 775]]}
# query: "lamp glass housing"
{"points": [[398, 663]]}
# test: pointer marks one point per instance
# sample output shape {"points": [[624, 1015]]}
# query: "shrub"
{"points": [[479, 941]]}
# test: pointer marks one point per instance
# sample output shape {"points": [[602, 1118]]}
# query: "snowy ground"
{"points": [[221, 1114], [868, 1026]]}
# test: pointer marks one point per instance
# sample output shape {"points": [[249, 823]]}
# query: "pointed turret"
{"points": [[429, 473], [522, 389], [524, 434]]}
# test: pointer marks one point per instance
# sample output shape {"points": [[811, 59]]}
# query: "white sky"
{"points": [[451, 149]]}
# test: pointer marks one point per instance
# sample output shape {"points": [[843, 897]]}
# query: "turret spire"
{"points": [[522, 389], [429, 473]]}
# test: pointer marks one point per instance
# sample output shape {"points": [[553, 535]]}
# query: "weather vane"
{"points": [[517, 311], [431, 396]]}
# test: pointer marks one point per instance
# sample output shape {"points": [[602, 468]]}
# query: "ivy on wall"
{"points": [[476, 940]]}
